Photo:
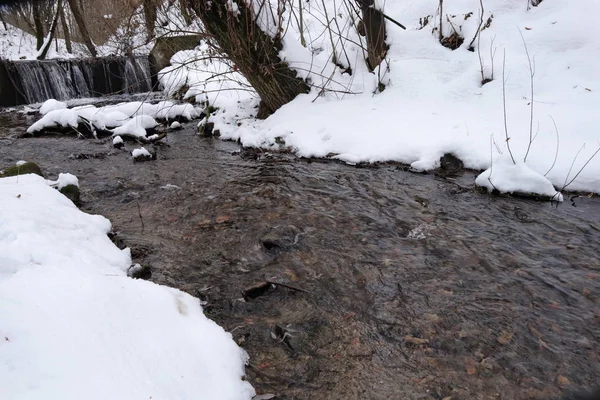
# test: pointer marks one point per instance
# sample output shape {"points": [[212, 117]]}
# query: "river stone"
{"points": [[280, 237], [450, 165], [72, 192], [27, 168]]}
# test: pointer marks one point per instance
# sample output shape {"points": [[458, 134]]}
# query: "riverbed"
{"points": [[352, 282]]}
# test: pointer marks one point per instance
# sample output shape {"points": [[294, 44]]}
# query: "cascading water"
{"points": [[25, 82]]}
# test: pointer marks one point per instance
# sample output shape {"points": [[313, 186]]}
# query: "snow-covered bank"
{"points": [[74, 326], [434, 102]]}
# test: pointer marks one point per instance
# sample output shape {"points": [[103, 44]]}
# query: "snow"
{"points": [[65, 179], [136, 126], [433, 102], [117, 140], [141, 152], [115, 119], [56, 118], [175, 125], [508, 177], [51, 105], [132, 119], [16, 44], [75, 326]]}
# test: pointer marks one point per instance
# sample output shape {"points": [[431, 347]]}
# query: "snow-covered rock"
{"points": [[55, 118], [517, 178], [51, 105], [141, 154], [136, 126]]}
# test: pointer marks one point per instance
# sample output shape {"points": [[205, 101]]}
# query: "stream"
{"points": [[347, 282]]}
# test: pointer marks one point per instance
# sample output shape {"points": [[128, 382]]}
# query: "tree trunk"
{"points": [[150, 17], [374, 23], [46, 46], [185, 11], [4, 22], [253, 52], [39, 25], [85, 35], [66, 31]]}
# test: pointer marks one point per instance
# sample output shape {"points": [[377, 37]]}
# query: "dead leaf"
{"points": [[471, 370], [18, 196], [528, 29], [588, 89], [562, 380], [222, 219], [415, 341], [505, 337], [6, 339]]}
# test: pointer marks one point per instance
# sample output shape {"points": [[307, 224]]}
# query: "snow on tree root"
{"points": [[75, 326]]}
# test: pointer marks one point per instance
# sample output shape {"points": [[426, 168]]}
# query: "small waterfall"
{"points": [[23, 82], [34, 81]]}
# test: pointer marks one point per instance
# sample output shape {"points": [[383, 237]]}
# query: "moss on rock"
{"points": [[72, 193], [15, 170]]}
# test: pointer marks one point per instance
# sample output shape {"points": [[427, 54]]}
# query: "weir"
{"points": [[32, 81]]}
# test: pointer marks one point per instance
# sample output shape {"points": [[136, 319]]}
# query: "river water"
{"points": [[397, 285]]}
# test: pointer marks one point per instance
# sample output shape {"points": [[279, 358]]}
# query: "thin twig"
{"points": [[531, 75], [557, 143], [140, 214], [504, 105], [581, 169]]}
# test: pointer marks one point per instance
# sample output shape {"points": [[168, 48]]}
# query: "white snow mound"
{"points": [[136, 126], [51, 105], [508, 177], [74, 326], [55, 118], [141, 152]]}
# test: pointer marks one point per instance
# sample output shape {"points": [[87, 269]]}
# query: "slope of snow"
{"points": [[17, 44], [74, 326], [433, 102]]}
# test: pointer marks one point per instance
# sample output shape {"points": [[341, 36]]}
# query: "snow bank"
{"points": [[73, 326], [433, 101]]}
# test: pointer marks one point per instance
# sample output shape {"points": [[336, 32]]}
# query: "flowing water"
{"points": [[396, 285], [31, 81]]}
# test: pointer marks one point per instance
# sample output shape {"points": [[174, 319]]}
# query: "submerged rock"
{"points": [[281, 237]]}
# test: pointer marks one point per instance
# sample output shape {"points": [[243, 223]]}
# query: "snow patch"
{"points": [[75, 326], [508, 177], [51, 105]]}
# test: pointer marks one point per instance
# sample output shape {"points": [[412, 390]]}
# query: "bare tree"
{"points": [[43, 50], [375, 32], [85, 35], [38, 24], [254, 52], [150, 11], [65, 30]]}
